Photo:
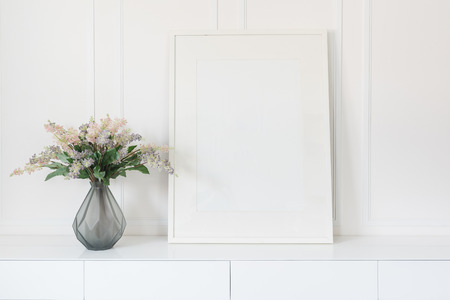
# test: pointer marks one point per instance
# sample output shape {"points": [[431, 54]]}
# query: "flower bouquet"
{"points": [[98, 152]]}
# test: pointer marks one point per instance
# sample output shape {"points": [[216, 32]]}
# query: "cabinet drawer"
{"points": [[289, 280], [59, 280], [414, 280], [162, 280]]}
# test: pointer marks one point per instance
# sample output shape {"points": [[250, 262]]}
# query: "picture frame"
{"points": [[250, 138]]}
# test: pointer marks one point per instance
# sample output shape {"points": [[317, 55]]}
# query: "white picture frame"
{"points": [[250, 132]]}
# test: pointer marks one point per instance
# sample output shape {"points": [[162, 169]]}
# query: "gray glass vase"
{"points": [[99, 223]]}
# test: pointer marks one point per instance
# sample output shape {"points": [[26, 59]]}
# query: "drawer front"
{"points": [[414, 280], [59, 280], [162, 280], [289, 280]]}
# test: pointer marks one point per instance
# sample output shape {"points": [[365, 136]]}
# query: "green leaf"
{"points": [[61, 171], [64, 157], [55, 166], [77, 148], [106, 181], [97, 156], [87, 147], [83, 174], [99, 175], [110, 156], [142, 169], [132, 157], [133, 161], [121, 173], [70, 160], [131, 148], [115, 172]]}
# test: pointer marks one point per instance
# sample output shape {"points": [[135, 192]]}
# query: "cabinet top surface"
{"points": [[157, 248]]}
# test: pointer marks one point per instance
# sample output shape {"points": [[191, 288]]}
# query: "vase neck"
{"points": [[97, 184]]}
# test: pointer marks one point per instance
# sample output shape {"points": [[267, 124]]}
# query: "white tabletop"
{"points": [[157, 248]]}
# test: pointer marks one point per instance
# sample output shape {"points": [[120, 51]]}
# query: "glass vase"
{"points": [[99, 223]]}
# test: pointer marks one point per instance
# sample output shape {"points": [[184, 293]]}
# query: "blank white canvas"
{"points": [[248, 153]]}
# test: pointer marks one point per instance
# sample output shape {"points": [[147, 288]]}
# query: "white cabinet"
{"points": [[414, 280], [144, 268], [289, 280], [162, 280], [61, 280]]}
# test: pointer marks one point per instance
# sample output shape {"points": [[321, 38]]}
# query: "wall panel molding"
{"points": [[1, 117], [370, 221], [337, 113], [243, 14], [108, 57], [46, 72], [367, 110]]}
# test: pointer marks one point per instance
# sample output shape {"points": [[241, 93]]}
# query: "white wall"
{"points": [[66, 60]]}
